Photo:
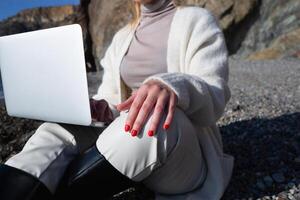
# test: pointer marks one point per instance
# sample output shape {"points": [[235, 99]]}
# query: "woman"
{"points": [[164, 82]]}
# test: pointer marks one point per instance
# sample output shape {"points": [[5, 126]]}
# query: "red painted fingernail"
{"points": [[134, 132], [150, 133], [166, 126], [127, 127]]}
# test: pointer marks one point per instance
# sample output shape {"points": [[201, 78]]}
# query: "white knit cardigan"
{"points": [[197, 61]]}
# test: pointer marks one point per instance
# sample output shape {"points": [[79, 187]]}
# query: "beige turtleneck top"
{"points": [[147, 51]]}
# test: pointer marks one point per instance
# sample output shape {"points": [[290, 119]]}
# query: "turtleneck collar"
{"points": [[157, 7]]}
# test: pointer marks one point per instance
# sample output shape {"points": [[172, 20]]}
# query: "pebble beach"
{"points": [[260, 128]]}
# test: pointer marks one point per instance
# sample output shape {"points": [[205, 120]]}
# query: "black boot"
{"points": [[16, 184], [91, 176]]}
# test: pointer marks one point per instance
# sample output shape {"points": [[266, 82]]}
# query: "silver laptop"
{"points": [[44, 76]]}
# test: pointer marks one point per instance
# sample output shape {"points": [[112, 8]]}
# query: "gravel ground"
{"points": [[260, 129]]}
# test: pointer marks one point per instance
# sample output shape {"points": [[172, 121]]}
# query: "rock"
{"points": [[228, 12], [284, 45], [94, 80], [254, 29], [105, 18], [2, 101], [268, 181], [38, 18], [291, 185], [297, 160], [278, 177], [275, 34], [48, 17], [283, 196], [260, 185]]}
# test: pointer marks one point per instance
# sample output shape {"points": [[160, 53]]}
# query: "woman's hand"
{"points": [[100, 111], [150, 95]]}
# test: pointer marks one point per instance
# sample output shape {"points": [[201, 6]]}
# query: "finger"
{"points": [[151, 92], [126, 104], [144, 112], [171, 109], [134, 92], [158, 112], [134, 109]]}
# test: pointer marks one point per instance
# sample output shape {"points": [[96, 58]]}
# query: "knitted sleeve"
{"points": [[108, 88], [202, 88]]}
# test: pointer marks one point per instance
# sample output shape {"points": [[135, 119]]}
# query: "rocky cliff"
{"points": [[276, 32], [254, 29], [41, 18], [106, 17]]}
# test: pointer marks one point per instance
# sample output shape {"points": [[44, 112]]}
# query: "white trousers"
{"points": [[170, 162]]}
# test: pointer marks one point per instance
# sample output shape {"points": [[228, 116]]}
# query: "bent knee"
{"points": [[165, 140], [49, 132], [169, 139], [137, 156]]}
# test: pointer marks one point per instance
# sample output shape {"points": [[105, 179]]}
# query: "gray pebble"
{"points": [[260, 185], [278, 177], [268, 181]]}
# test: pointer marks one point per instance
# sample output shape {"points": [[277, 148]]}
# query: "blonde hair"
{"points": [[136, 11]]}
